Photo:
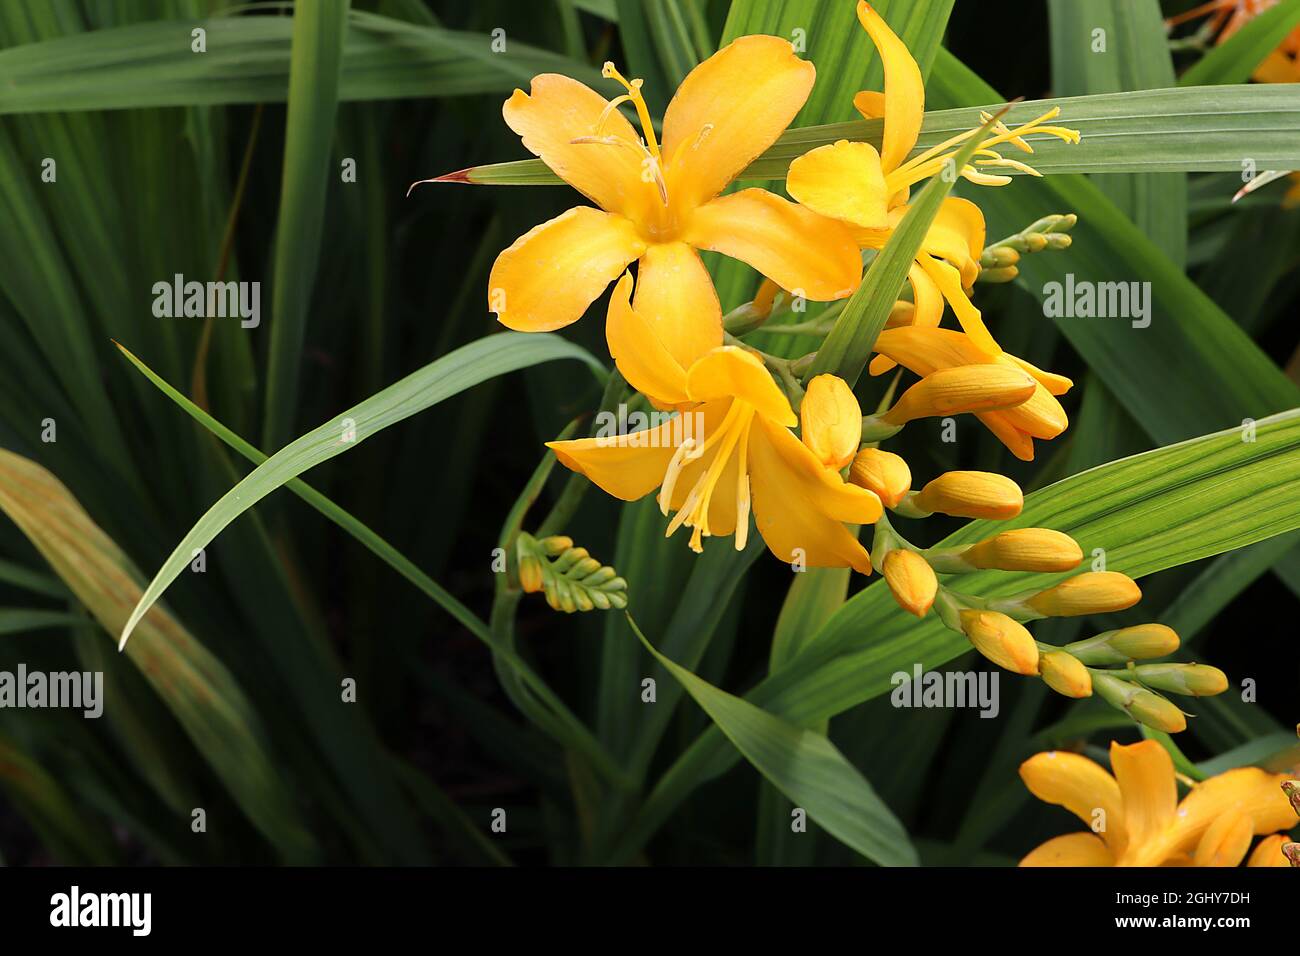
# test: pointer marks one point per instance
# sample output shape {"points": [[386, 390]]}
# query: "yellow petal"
{"points": [[926, 297], [550, 275], [730, 371], [1226, 841], [727, 111], [870, 103], [957, 235], [1019, 442], [800, 507], [561, 110], [948, 279], [1254, 792], [793, 246], [819, 486], [1269, 852], [904, 89], [831, 421], [639, 354], [625, 466], [842, 181], [1145, 774], [1073, 849], [676, 296], [966, 388], [1081, 786], [1055, 384]]}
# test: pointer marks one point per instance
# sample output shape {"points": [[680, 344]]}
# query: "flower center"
{"points": [[730, 437], [936, 157]]}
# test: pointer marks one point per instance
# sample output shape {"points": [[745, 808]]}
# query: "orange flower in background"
{"points": [[1138, 820], [659, 203]]}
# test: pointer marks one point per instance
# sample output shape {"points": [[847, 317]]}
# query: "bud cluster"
{"points": [[571, 579]]}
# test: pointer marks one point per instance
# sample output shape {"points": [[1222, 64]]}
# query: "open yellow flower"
{"points": [[660, 203], [868, 189], [743, 452], [926, 350], [1138, 818]]}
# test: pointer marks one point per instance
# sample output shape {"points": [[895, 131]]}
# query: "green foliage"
{"points": [[324, 710]]}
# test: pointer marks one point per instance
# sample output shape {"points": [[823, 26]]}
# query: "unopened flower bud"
{"points": [[1197, 680], [530, 574], [971, 494], [911, 579], [1065, 674], [556, 544], [1145, 706], [1138, 643], [831, 421], [1093, 592], [884, 473], [1003, 641], [1025, 549]]}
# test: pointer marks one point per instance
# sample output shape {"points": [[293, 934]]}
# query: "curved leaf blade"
{"points": [[455, 372]]}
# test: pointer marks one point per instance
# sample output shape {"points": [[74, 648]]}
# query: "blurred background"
{"points": [[169, 161]]}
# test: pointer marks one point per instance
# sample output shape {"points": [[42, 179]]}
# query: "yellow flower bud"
{"points": [[1065, 674], [1093, 592], [971, 494], [1145, 706], [1003, 641], [530, 574], [831, 421], [1026, 549], [884, 473], [1138, 643], [1197, 680], [556, 544], [911, 579], [963, 388]]}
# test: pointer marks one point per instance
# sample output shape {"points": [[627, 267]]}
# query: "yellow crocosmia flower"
{"points": [[1025, 549], [659, 203], [911, 580], [965, 388], [883, 473], [1065, 674], [731, 450], [971, 494], [868, 189], [1092, 592], [1005, 642], [927, 350], [1136, 817], [831, 421]]}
